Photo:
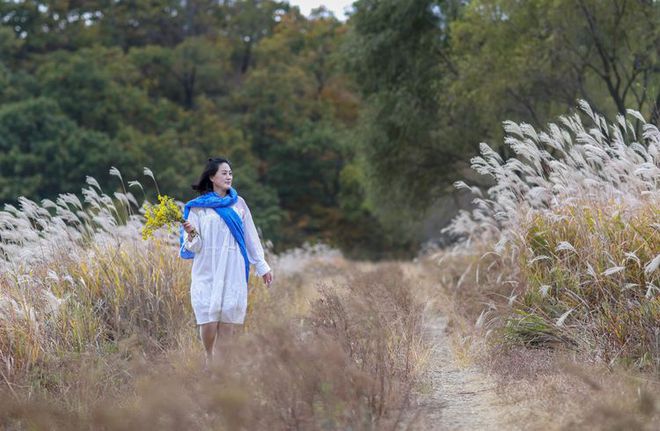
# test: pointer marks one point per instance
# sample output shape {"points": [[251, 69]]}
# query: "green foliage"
{"points": [[395, 54], [85, 87], [9, 44], [247, 23], [167, 84], [186, 71], [311, 157], [438, 77], [43, 152], [344, 132], [530, 329], [529, 61], [295, 111]]}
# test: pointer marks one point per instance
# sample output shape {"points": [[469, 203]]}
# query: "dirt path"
{"points": [[455, 395]]}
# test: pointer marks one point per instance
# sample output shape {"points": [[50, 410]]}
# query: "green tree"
{"points": [[529, 61], [196, 66], [50, 25], [43, 153], [438, 77], [398, 54], [93, 86], [295, 109], [247, 22]]}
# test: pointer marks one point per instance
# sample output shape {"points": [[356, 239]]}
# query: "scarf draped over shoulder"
{"points": [[222, 206]]}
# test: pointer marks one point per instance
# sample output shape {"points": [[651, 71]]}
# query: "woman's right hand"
{"points": [[188, 227]]}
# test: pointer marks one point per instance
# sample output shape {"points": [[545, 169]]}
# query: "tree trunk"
{"points": [[655, 111]]}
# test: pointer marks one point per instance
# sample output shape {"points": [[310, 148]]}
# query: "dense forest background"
{"points": [[347, 132]]}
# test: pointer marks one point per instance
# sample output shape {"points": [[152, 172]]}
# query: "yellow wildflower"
{"points": [[167, 212]]}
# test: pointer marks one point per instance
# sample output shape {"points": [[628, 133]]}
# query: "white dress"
{"points": [[218, 290]]}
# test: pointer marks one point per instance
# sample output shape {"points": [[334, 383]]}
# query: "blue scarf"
{"points": [[221, 205]]}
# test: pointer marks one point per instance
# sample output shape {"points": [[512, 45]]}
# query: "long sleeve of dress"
{"points": [[194, 245], [253, 244]]}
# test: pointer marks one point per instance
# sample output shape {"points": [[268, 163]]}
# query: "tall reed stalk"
{"points": [[573, 221], [97, 332]]}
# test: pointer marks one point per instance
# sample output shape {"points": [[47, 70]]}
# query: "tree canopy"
{"points": [[347, 132]]}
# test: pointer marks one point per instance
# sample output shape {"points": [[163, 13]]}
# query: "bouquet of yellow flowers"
{"points": [[167, 212]]}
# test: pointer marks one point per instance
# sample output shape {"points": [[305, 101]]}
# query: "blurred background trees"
{"points": [[347, 132]]}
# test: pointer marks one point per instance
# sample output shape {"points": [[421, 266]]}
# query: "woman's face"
{"points": [[222, 179]]}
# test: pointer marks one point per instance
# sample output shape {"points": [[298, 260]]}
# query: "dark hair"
{"points": [[204, 184]]}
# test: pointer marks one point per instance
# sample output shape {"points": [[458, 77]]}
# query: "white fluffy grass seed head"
{"points": [[32, 233], [569, 161]]}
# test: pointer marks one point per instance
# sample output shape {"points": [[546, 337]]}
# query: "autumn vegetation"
{"points": [[97, 331], [557, 271], [316, 114], [575, 214], [542, 247]]}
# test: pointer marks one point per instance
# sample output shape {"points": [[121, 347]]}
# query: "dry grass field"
{"points": [[545, 315]]}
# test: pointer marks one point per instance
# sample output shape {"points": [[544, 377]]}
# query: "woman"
{"points": [[222, 239]]}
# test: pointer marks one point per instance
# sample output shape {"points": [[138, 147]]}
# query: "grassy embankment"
{"points": [[97, 333], [559, 272]]}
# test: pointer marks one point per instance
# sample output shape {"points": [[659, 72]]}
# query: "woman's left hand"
{"points": [[268, 278]]}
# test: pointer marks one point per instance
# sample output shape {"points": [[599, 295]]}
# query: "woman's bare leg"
{"points": [[209, 332], [226, 332]]}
